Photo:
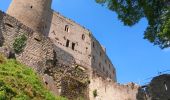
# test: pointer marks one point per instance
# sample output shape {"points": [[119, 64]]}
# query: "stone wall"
{"points": [[38, 49], [65, 34], [81, 44], [42, 55], [32, 13], [109, 90], [71, 81]]}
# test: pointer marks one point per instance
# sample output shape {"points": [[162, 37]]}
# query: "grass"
{"points": [[18, 82]]}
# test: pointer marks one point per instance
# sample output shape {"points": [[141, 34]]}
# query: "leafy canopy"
{"points": [[157, 13]]}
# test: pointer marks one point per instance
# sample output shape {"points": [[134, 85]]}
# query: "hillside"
{"points": [[18, 82]]}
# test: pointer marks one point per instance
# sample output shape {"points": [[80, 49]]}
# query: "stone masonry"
{"points": [[65, 34], [70, 60]]}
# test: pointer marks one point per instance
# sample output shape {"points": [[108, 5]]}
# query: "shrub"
{"points": [[19, 43], [95, 93]]}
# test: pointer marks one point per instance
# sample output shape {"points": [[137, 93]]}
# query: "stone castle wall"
{"points": [[81, 44], [41, 54], [109, 90]]}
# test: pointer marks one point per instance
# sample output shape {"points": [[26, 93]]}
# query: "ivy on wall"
{"points": [[19, 43]]}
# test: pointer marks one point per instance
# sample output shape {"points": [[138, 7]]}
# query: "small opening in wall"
{"points": [[103, 69], [100, 65], [9, 25], [93, 45], [73, 46], [83, 37], [66, 28], [46, 83], [67, 43], [100, 53], [31, 7]]}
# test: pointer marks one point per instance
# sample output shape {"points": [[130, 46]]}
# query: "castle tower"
{"points": [[33, 13]]}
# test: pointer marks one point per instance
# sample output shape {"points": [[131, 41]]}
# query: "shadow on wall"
{"points": [[1, 36], [63, 56], [67, 77]]}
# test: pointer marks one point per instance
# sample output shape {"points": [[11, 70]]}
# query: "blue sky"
{"points": [[135, 59]]}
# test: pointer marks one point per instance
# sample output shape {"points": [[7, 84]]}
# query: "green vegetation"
{"points": [[19, 43], [18, 82], [157, 12], [95, 93]]}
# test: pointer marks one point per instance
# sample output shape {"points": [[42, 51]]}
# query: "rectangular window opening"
{"points": [[73, 46], [67, 43]]}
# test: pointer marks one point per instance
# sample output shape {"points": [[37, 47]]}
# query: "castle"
{"points": [[65, 34], [70, 60]]}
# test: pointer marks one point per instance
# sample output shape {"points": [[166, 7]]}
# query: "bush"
{"points": [[19, 43], [95, 93]]}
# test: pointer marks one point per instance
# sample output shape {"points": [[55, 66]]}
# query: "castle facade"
{"points": [[81, 46]]}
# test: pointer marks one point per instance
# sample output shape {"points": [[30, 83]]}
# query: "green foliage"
{"points": [[18, 82], [95, 93], [80, 98], [19, 43], [157, 13], [2, 58]]}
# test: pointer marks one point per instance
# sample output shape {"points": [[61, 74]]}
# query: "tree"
{"points": [[157, 12]]}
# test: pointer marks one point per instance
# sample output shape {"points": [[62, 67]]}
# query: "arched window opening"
{"points": [[67, 28], [83, 37]]}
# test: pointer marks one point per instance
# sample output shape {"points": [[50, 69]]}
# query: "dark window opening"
{"points": [[103, 69], [100, 53], [73, 46], [37, 39], [100, 65], [67, 43], [109, 66], [46, 83], [83, 37], [9, 25], [94, 60], [66, 28], [93, 45], [106, 61], [31, 7]]}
